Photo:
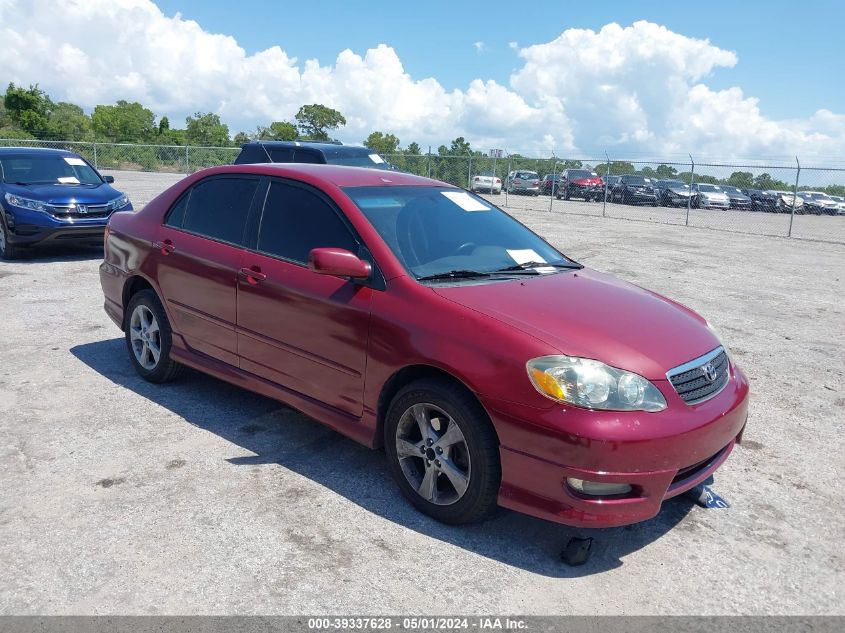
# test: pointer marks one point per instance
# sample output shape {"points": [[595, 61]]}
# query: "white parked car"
{"points": [[711, 196], [486, 182]]}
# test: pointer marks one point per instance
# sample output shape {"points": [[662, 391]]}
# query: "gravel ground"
{"points": [[120, 497]]}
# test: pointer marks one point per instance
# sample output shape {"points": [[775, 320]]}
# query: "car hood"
{"points": [[594, 315], [713, 194], [737, 196], [586, 181], [679, 190], [65, 194]]}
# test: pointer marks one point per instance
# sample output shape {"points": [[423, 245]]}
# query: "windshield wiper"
{"points": [[454, 274], [532, 265]]}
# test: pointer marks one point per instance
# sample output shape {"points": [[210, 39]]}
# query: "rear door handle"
{"points": [[166, 247], [252, 275]]}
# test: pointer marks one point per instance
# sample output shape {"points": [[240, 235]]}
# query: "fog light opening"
{"points": [[598, 488]]}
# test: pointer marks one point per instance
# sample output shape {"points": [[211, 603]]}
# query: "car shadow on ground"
{"points": [[277, 434]]}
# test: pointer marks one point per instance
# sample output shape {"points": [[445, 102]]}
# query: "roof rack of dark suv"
{"points": [[333, 153]]}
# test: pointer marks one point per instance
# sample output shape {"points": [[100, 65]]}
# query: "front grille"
{"points": [[702, 378], [93, 212]]}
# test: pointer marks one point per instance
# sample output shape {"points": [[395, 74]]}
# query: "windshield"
{"points": [[373, 161], [819, 196], [581, 173], [436, 230], [731, 189], [637, 180], [527, 175], [674, 184], [28, 169], [709, 188]]}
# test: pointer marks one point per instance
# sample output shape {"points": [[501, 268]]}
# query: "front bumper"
{"points": [[660, 455], [704, 203], [742, 205], [28, 227]]}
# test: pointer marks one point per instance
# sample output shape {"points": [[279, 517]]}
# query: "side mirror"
{"points": [[109, 179], [338, 262]]}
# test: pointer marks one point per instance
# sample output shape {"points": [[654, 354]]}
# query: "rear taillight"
{"points": [[499, 180], [477, 178], [535, 182]]}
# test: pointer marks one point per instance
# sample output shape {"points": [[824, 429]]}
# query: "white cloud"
{"points": [[479, 46], [630, 90]]}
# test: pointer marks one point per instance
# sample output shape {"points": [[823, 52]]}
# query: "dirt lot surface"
{"points": [[122, 497]]}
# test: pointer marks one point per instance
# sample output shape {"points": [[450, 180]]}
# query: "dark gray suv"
{"points": [[310, 152]]}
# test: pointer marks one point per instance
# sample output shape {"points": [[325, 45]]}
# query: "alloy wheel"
{"points": [[145, 337], [433, 454]]}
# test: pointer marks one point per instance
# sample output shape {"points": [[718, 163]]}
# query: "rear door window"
{"points": [[306, 156], [218, 208], [297, 219]]}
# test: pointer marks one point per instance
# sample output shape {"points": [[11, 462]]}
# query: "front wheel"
{"points": [[443, 452], [148, 338], [7, 249]]}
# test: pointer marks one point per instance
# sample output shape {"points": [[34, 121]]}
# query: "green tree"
{"points": [[413, 149], [741, 179], [124, 122], [382, 143], [460, 147], [617, 168], [163, 125], [665, 171], [206, 129], [29, 108], [68, 122], [316, 120], [241, 138], [278, 131]]}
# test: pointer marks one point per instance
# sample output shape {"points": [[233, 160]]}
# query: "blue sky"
{"points": [[784, 48], [637, 79]]}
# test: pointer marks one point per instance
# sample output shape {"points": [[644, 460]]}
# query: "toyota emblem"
{"points": [[709, 372]]}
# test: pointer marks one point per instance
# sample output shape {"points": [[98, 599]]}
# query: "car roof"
{"points": [[18, 151], [338, 175], [330, 148]]}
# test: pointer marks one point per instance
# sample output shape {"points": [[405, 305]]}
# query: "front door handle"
{"points": [[166, 247], [252, 275]]}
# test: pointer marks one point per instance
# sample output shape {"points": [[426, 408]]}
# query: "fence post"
{"points": [[607, 178], [428, 161], [554, 173], [187, 163], [691, 182], [794, 197], [469, 175], [507, 188]]}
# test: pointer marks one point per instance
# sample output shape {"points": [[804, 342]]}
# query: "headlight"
{"points": [[25, 203], [119, 203], [592, 384]]}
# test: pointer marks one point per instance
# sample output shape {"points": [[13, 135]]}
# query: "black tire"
{"points": [[8, 251], [481, 443], [165, 368]]}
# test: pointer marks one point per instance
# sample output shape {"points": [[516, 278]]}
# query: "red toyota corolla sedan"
{"points": [[409, 314]]}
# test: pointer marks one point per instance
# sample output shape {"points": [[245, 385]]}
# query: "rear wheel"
{"points": [[442, 451], [149, 338]]}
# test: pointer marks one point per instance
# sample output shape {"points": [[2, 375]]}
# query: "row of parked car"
{"points": [[633, 189], [51, 195]]}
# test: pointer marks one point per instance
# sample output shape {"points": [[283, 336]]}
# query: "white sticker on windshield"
{"points": [[465, 201], [376, 158], [68, 180], [72, 160], [529, 255]]}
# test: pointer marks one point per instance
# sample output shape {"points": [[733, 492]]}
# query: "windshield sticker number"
{"points": [[465, 201], [71, 160], [68, 180], [376, 159]]}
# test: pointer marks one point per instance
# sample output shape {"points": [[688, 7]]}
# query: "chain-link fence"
{"points": [[791, 200]]}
